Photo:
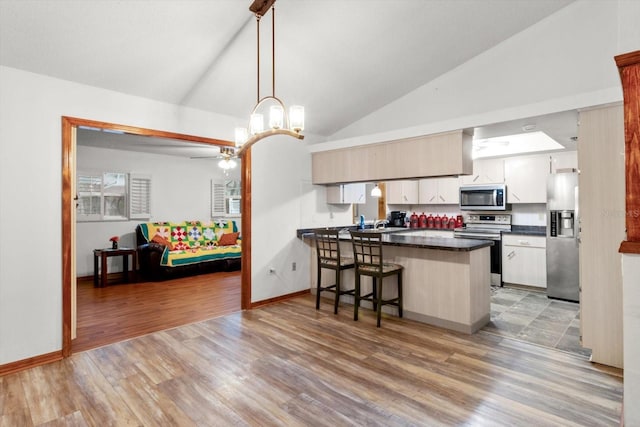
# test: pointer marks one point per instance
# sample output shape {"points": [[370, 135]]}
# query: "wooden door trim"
{"points": [[68, 169], [629, 69]]}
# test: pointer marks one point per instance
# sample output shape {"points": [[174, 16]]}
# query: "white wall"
{"points": [[180, 190], [31, 107], [631, 322], [561, 63]]}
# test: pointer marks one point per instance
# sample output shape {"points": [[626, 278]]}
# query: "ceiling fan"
{"points": [[226, 156]]}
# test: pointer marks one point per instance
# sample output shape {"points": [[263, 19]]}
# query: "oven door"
{"points": [[495, 252]]}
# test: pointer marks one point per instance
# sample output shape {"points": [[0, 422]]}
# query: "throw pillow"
{"points": [[228, 239], [162, 241]]}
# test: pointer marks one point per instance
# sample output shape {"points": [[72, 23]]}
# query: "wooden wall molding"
{"points": [[30, 362], [280, 298], [629, 68]]}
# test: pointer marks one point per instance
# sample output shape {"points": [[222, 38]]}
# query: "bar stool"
{"points": [[367, 252], [328, 254]]}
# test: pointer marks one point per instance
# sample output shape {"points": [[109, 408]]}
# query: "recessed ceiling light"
{"points": [[521, 143], [528, 128]]}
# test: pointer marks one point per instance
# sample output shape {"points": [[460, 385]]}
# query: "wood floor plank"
{"points": [[288, 364], [122, 311]]}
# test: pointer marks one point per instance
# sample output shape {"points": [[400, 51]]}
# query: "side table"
{"points": [[103, 254]]}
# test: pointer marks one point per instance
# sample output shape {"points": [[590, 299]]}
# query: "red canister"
{"points": [[430, 221], [459, 221], [437, 222], [452, 223], [413, 220], [422, 221], [445, 221]]}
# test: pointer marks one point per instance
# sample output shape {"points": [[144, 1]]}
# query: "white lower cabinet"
{"points": [[524, 260]]}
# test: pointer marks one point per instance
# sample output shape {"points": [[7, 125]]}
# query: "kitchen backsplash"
{"points": [[529, 214], [521, 214]]}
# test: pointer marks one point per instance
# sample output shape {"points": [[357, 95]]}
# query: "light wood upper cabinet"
{"points": [[403, 159], [526, 178], [439, 191], [402, 192], [485, 171]]}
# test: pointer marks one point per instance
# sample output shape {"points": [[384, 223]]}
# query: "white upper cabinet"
{"points": [[526, 178], [402, 192], [485, 171], [564, 160], [439, 191], [347, 193]]}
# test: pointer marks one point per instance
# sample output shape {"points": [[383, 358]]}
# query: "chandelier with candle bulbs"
{"points": [[280, 122]]}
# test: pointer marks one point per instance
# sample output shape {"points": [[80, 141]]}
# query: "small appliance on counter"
{"points": [[397, 218]]}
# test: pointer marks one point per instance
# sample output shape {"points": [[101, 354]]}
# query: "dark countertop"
{"points": [[405, 239], [527, 230]]}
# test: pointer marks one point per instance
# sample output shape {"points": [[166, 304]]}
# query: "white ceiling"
{"points": [[341, 59]]}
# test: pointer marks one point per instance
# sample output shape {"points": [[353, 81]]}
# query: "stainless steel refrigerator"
{"points": [[563, 278]]}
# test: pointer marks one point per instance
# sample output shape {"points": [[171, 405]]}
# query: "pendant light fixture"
{"points": [[280, 122], [376, 191]]}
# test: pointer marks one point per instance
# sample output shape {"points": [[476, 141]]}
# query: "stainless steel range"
{"points": [[487, 227]]}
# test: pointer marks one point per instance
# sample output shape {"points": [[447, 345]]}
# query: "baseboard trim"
{"points": [[278, 299], [30, 362], [448, 324]]}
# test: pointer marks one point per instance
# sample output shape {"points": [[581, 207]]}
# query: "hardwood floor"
{"points": [[122, 311], [288, 364]]}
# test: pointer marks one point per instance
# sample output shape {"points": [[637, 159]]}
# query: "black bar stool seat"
{"points": [[367, 252], [328, 255]]}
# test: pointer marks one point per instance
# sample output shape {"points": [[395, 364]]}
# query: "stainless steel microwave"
{"points": [[491, 197]]}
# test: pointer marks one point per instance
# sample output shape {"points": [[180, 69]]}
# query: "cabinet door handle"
{"points": [[524, 242], [515, 196], [431, 199], [476, 178], [441, 198], [511, 254]]}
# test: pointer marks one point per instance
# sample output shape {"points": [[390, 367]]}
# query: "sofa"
{"points": [[169, 250]]}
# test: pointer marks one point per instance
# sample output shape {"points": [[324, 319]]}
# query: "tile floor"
{"points": [[530, 316]]}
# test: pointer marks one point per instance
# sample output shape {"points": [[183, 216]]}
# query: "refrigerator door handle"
{"points": [[576, 219]]}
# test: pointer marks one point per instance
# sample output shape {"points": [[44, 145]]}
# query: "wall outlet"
{"points": [[293, 266]]}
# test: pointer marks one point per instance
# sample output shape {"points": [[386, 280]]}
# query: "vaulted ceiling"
{"points": [[341, 59]]}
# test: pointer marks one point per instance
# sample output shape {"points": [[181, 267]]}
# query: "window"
{"points": [[225, 198], [112, 196]]}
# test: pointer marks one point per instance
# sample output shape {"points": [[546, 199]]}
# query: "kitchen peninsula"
{"points": [[446, 281]]}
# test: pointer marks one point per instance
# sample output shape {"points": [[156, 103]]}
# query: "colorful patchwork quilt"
{"points": [[192, 242]]}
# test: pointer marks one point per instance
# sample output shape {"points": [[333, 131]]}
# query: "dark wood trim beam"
{"points": [[629, 67], [245, 286]]}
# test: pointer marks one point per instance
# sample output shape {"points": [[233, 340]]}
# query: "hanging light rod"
{"points": [[280, 122], [260, 7]]}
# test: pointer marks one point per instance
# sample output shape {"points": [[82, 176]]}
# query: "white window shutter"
{"points": [[139, 196], [89, 192], [217, 198]]}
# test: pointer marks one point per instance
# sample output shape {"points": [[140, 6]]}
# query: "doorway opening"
{"points": [[70, 126]]}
